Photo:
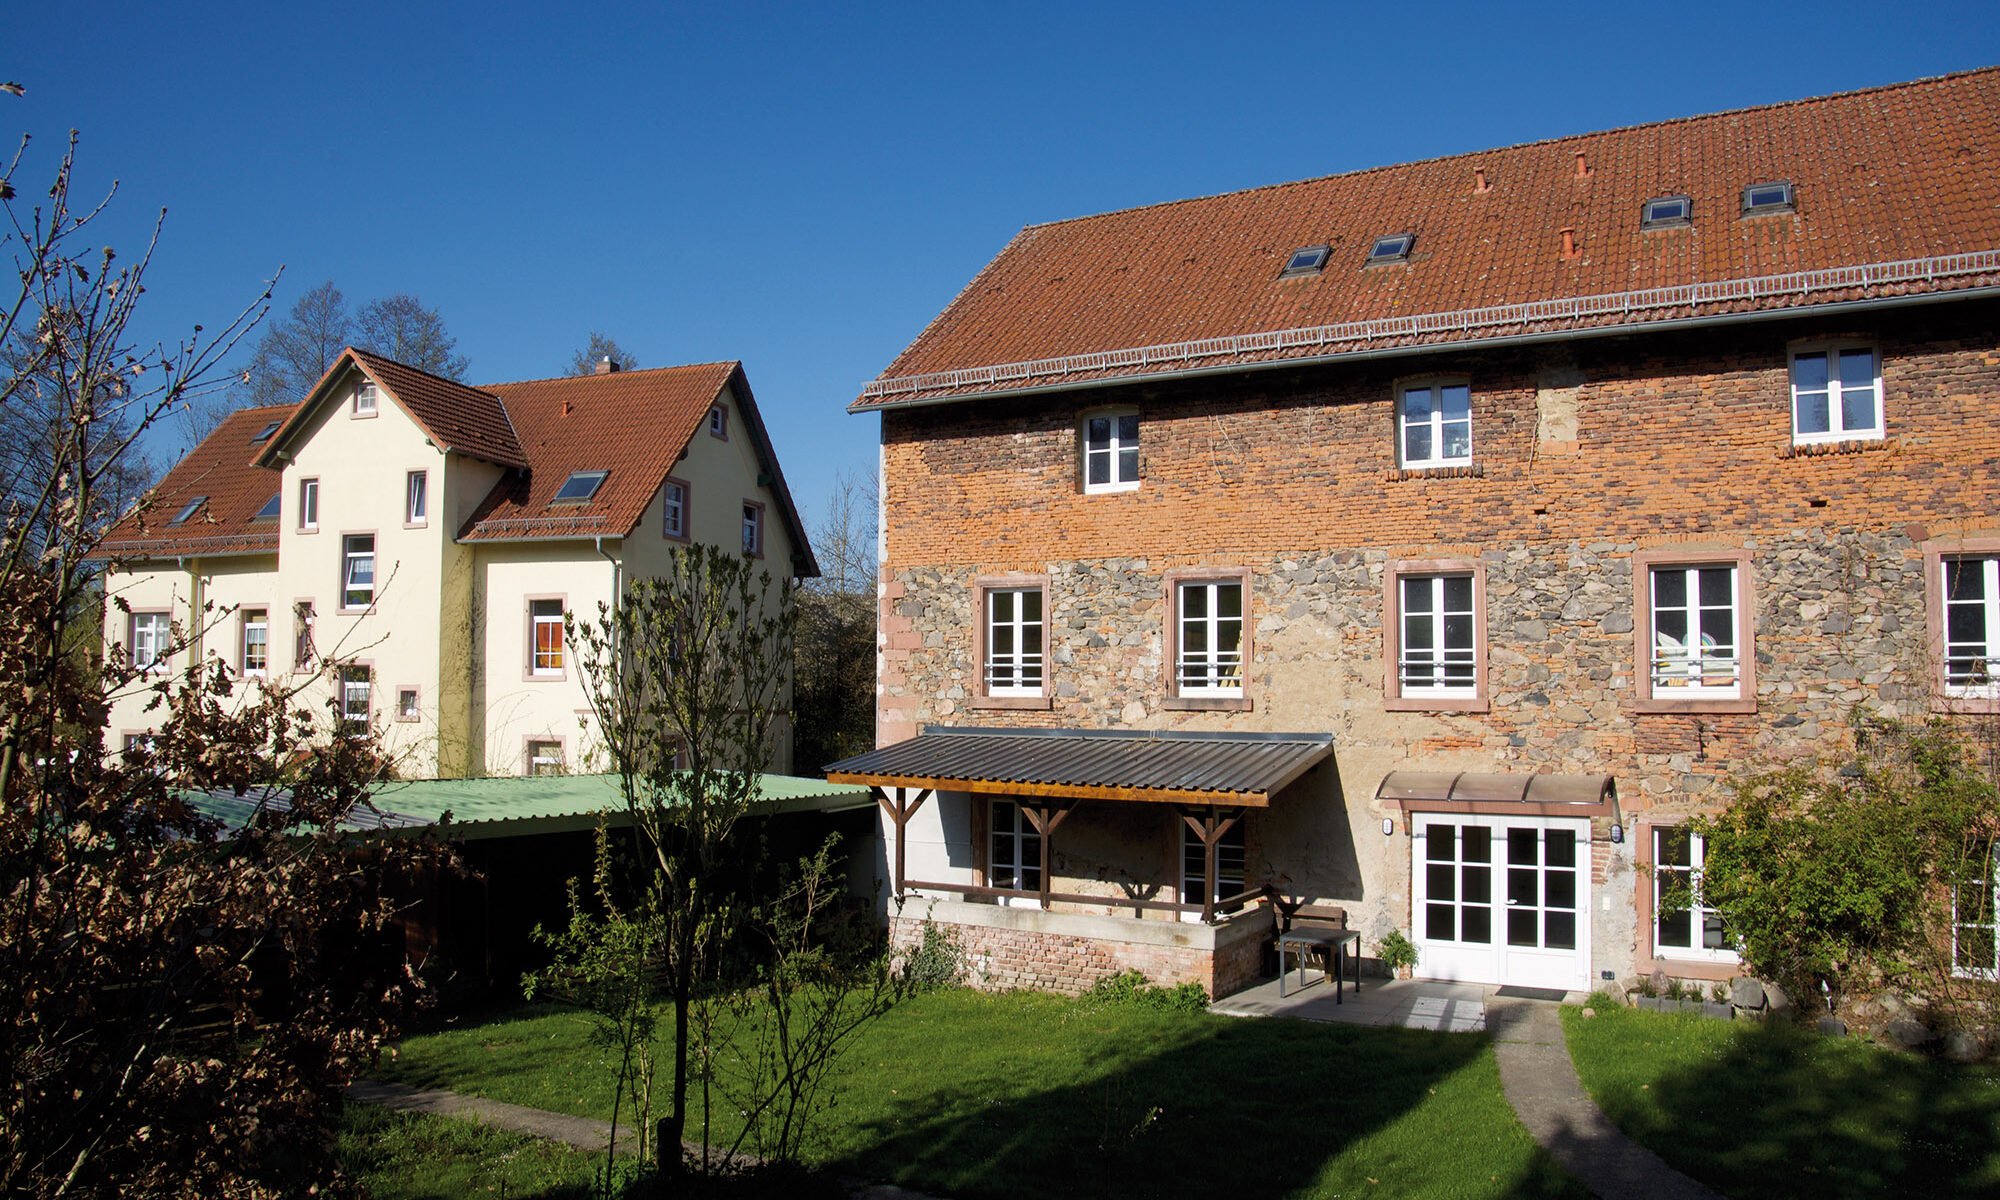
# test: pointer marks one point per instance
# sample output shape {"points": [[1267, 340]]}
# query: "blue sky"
{"points": [[801, 186]]}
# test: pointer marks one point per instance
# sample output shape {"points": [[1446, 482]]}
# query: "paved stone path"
{"points": [[1542, 1085]]}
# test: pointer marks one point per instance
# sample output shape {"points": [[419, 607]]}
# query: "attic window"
{"points": [[271, 507], [1762, 198], [1392, 249], [364, 398], [579, 487], [1667, 211], [264, 434], [1307, 260], [189, 511]]}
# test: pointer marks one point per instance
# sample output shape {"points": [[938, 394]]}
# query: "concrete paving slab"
{"points": [[1409, 1003]]}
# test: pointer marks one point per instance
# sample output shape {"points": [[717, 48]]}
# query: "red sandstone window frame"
{"points": [[1244, 699], [753, 528], [1441, 700], [528, 756], [670, 529], [982, 586], [530, 672], [1643, 564], [243, 625], [1944, 697], [415, 710], [161, 656], [1646, 881]]}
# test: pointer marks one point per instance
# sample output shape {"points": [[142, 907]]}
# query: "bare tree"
{"points": [[400, 327], [836, 645], [599, 348], [295, 352]]}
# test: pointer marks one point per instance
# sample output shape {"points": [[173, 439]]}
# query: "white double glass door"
{"points": [[1502, 899]]}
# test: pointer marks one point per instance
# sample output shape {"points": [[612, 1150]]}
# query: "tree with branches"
{"points": [[600, 348], [400, 327], [836, 668]]}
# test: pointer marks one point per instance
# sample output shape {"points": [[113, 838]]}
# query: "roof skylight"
{"points": [[1761, 198], [1664, 211], [1306, 260], [579, 487], [265, 433], [1393, 248], [192, 506], [271, 508]]}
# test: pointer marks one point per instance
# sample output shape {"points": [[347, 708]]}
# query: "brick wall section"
{"points": [[1008, 959]]}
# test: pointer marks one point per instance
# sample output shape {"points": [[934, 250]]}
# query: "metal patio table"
{"points": [[1302, 938]]}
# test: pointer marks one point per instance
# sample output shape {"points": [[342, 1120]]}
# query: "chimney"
{"points": [[605, 366], [1569, 242], [1479, 184], [567, 407], [1582, 168]]}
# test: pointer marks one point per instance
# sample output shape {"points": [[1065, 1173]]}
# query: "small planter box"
{"points": [[1699, 1008]]}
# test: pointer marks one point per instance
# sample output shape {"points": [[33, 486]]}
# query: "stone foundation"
{"points": [[1009, 948]]}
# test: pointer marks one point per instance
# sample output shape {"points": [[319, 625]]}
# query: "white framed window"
{"points": [[753, 529], [1692, 930], [1971, 595], [1836, 393], [718, 422], [355, 697], [1975, 948], [1696, 632], [409, 705], [364, 398], [1434, 424], [1228, 864], [1014, 849], [1111, 452], [151, 634], [545, 757], [357, 572], [416, 498], [256, 640], [303, 620], [673, 502], [1437, 651], [1208, 652], [1014, 642], [545, 618], [308, 504]]}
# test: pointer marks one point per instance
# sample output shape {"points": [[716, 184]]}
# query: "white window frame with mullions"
{"points": [[1434, 423], [1971, 598], [1209, 646], [1836, 393], [1110, 440], [1696, 605], [1975, 931], [1014, 849], [1016, 630], [1696, 933], [152, 637], [1438, 651], [357, 571]]}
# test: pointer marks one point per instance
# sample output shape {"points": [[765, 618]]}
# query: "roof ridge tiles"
{"points": [[621, 373]]}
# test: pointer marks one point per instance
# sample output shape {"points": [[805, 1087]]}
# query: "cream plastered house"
{"points": [[427, 537]]}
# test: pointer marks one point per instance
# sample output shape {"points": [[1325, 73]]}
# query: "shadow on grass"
{"points": [[1249, 1108], [1774, 1110]]}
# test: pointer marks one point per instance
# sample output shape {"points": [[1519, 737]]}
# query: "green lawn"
{"points": [[968, 1095], [1758, 1110], [414, 1156]]}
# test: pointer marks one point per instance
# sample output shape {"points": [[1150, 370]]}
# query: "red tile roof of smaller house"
{"points": [[631, 424], [220, 468], [1897, 193]]}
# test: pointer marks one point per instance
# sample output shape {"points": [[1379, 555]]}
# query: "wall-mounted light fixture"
{"points": [[1617, 834], [1388, 827]]}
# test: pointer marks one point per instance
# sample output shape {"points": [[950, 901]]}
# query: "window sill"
{"points": [[1436, 704], [1110, 489], [1832, 446], [1015, 703], [1949, 704], [1440, 471], [416, 524], [1706, 970], [544, 676], [1696, 704], [1206, 704]]}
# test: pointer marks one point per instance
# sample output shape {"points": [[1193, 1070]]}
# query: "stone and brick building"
{"points": [[1432, 540]]}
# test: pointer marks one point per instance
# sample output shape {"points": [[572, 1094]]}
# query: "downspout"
{"points": [[196, 625]]}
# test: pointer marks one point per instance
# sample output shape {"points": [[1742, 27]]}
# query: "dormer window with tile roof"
{"points": [[1394, 248], [1760, 199], [1667, 212], [579, 487]]}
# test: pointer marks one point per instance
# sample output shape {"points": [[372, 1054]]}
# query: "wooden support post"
{"points": [[1045, 818], [900, 811], [1209, 826]]}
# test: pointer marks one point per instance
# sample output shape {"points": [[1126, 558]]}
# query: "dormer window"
{"points": [[579, 487], [271, 508], [264, 434], [193, 505], [1666, 212], [1307, 260], [1762, 198], [1392, 249], [364, 398]]}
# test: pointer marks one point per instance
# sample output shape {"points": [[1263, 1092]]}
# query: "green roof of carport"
{"points": [[512, 807]]}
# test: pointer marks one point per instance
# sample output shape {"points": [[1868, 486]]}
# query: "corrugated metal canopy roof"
{"points": [[510, 807], [1107, 764]]}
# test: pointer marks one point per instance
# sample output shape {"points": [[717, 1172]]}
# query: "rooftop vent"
{"points": [[1762, 198], [265, 433], [1479, 184], [1664, 212], [1392, 249], [1307, 260], [193, 506], [1582, 167], [579, 487]]}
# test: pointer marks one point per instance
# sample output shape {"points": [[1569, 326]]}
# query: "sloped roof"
{"points": [[1901, 180], [220, 468], [631, 424], [457, 417]]}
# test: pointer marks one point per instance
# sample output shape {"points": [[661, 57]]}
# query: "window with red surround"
{"points": [[1208, 634], [1962, 620], [1011, 641], [1693, 618], [1434, 635]]}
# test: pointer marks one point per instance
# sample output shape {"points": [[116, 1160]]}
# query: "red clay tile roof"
{"points": [[457, 417], [220, 469], [633, 424], [1902, 179]]}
